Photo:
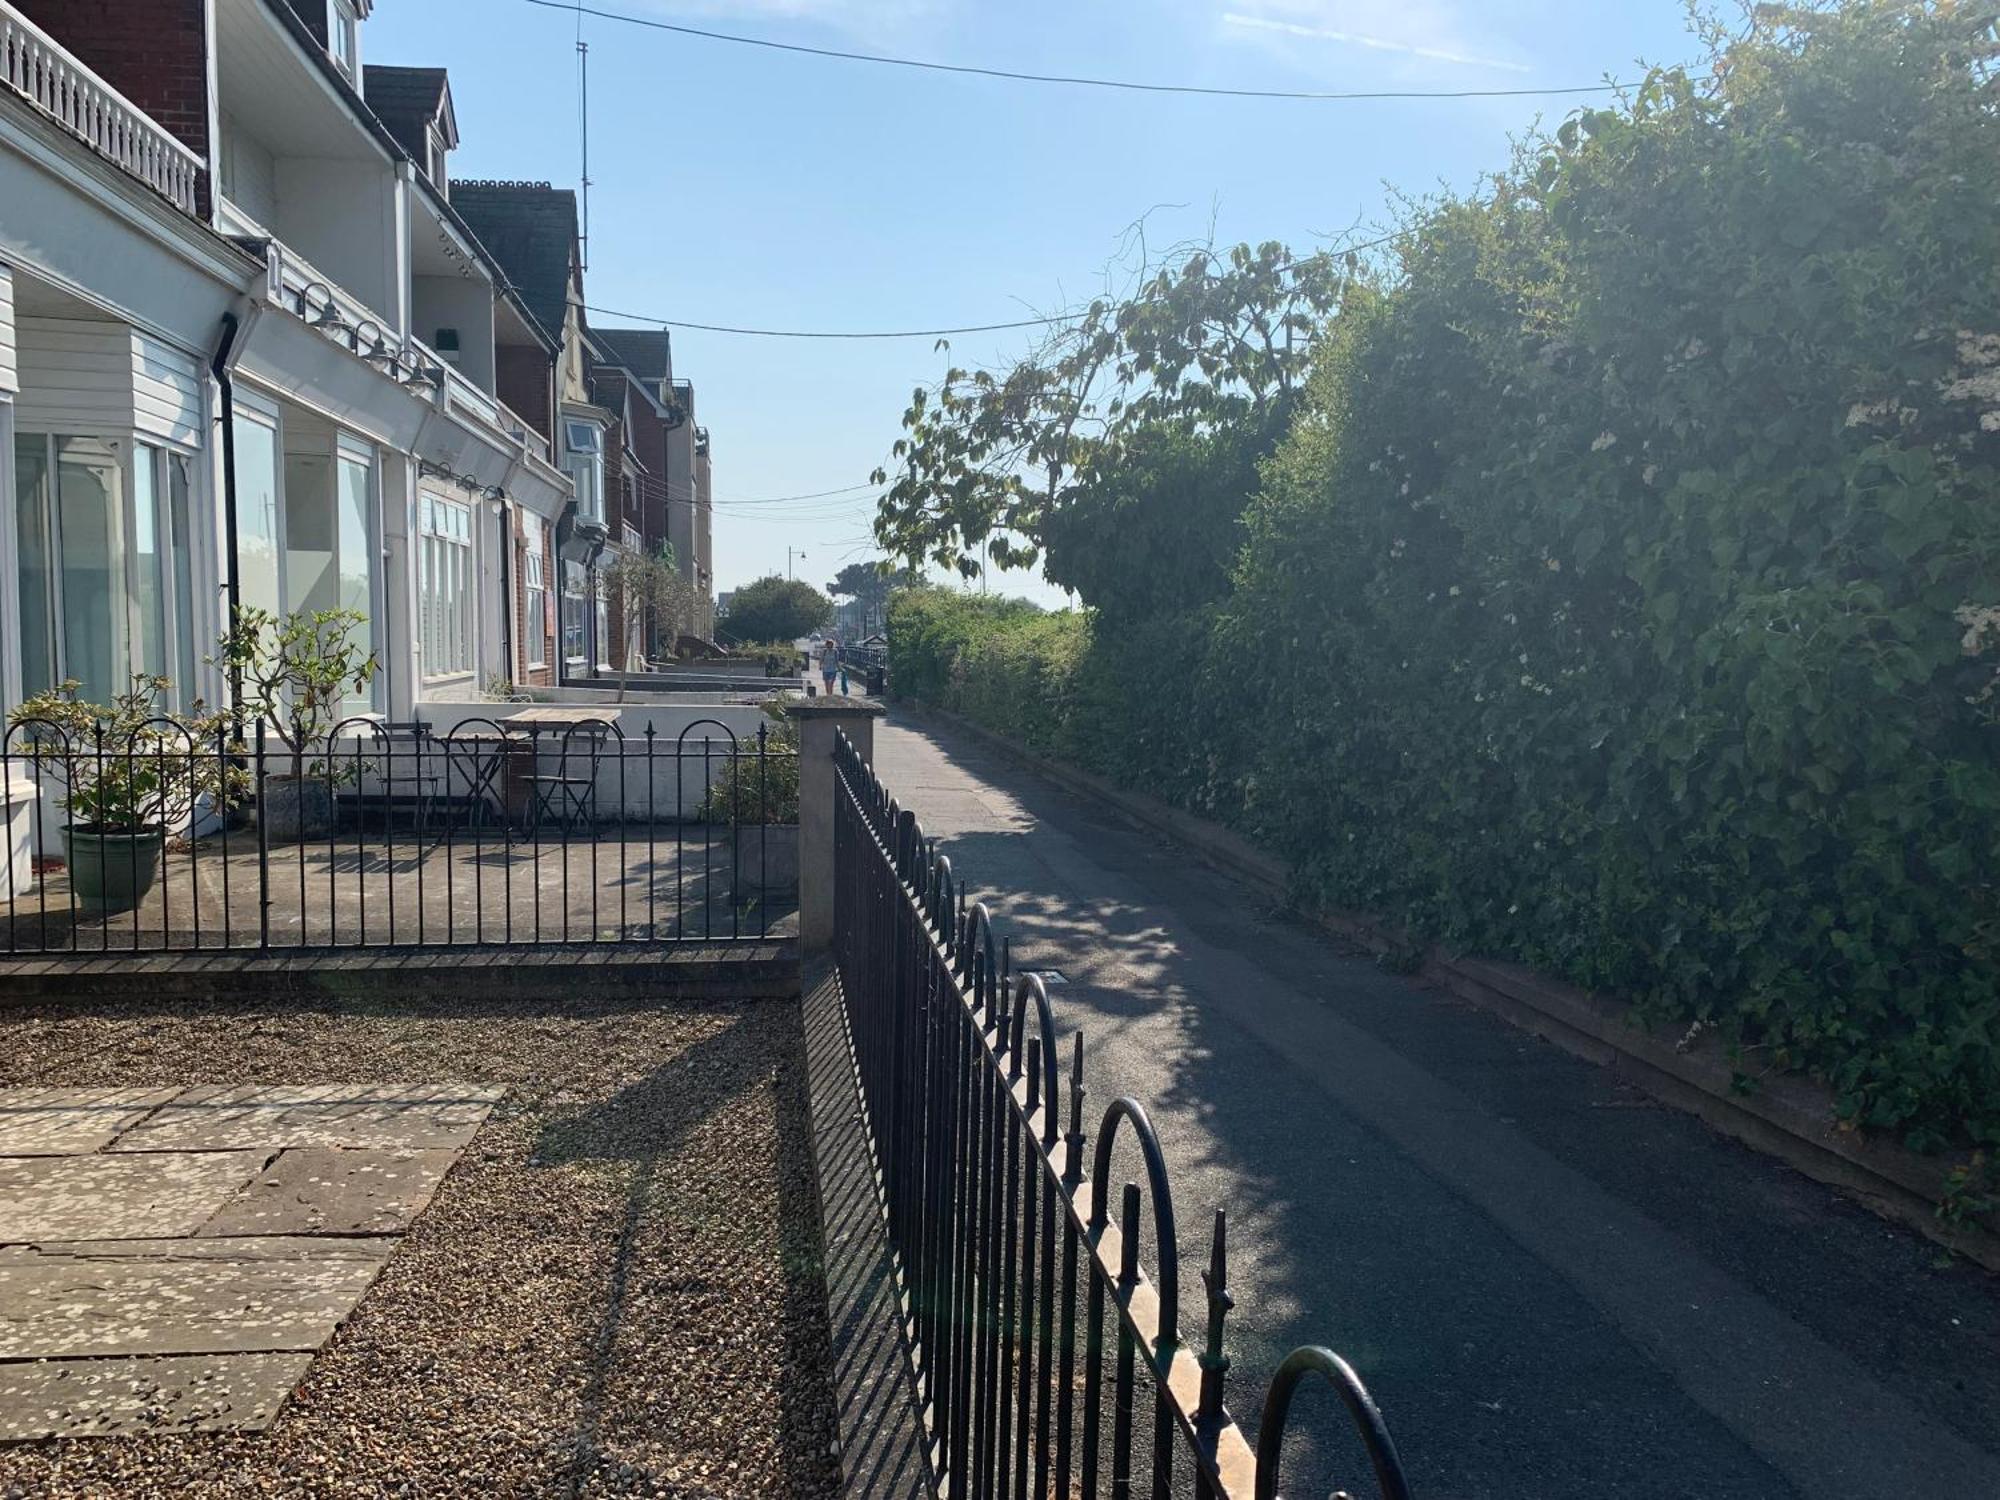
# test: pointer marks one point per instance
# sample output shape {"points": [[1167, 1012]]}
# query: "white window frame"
{"points": [[535, 597], [343, 38], [583, 460], [581, 595], [447, 587], [438, 168], [350, 448]]}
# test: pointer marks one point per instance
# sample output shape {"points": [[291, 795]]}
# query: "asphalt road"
{"points": [[1553, 1286]]}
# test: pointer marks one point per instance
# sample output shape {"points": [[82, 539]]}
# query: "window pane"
{"points": [[257, 512], [90, 508], [311, 583], [180, 480], [355, 548], [149, 581], [31, 481]]}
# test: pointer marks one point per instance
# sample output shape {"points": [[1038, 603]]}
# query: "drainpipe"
{"points": [[220, 367]]}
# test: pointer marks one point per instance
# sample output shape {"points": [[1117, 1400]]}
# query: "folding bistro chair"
{"points": [[406, 748], [568, 794]]}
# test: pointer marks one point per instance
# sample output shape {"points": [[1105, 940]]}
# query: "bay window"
{"points": [[584, 462]]}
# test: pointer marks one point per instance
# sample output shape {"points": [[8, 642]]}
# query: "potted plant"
{"points": [[130, 774], [297, 672], [755, 798]]}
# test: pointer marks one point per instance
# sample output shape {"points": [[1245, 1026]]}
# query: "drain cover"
{"points": [[1050, 978]]}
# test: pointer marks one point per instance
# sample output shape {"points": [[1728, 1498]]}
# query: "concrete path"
{"points": [[1554, 1286], [170, 1259]]}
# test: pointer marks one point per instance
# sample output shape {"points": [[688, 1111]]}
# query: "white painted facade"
{"points": [[334, 261]]}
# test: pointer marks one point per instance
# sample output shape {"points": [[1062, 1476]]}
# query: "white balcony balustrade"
{"points": [[35, 66]]}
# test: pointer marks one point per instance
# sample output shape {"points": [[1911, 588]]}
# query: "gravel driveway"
{"points": [[617, 1291]]}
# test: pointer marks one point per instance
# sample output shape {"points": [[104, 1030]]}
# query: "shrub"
{"points": [[1625, 600]]}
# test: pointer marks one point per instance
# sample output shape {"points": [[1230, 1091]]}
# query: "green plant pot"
{"points": [[292, 808], [112, 871]]}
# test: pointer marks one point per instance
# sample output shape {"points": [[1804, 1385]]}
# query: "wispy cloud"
{"points": [[874, 17], [1372, 43]]}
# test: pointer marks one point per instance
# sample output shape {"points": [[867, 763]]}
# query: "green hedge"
{"points": [[1626, 600]]}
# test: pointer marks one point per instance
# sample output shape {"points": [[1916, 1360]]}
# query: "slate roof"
{"points": [[647, 352], [406, 100], [530, 228]]}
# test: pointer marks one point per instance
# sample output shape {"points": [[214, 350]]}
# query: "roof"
{"points": [[647, 352], [409, 101], [530, 228]]}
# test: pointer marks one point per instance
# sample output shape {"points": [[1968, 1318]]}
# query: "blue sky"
{"points": [[744, 186]]}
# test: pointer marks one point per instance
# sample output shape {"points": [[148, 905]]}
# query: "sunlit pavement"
{"points": [[1554, 1286]]}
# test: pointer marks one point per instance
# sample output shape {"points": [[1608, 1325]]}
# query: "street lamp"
{"points": [[789, 555]]}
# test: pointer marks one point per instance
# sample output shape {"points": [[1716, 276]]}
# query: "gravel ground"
{"points": [[617, 1291]]}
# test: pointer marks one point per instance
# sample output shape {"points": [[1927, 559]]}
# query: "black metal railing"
{"points": [[149, 840], [1047, 1361]]}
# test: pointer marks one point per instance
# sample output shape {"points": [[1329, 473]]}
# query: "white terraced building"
{"points": [[210, 243]]}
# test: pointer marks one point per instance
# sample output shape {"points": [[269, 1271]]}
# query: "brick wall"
{"points": [[525, 380], [154, 52]]}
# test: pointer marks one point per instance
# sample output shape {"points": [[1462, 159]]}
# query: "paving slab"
{"points": [[327, 1190], [64, 1122], [118, 1196], [74, 1398], [192, 1296], [411, 1116]]}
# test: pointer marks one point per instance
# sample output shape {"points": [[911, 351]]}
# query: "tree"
{"points": [[868, 585], [775, 609], [642, 588], [1192, 376]]}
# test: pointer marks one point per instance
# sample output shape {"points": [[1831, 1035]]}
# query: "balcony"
{"points": [[296, 286], [36, 67]]}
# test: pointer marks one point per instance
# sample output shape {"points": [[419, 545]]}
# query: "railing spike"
{"points": [[1214, 1363], [1073, 1138]]}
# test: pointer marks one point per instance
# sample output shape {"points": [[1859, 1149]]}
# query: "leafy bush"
{"points": [[750, 789], [1611, 611], [1626, 597]]}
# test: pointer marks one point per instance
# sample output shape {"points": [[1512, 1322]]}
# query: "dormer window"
{"points": [[436, 169], [343, 36]]}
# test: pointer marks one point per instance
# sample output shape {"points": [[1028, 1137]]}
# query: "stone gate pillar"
{"points": [[821, 722]]}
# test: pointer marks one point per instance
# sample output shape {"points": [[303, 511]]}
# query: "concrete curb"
{"points": [[739, 971], [1788, 1117]]}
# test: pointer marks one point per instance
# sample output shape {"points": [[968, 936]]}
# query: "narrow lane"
{"points": [[1553, 1286]]}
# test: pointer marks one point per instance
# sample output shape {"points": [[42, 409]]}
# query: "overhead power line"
{"points": [[813, 333], [1049, 321], [1071, 80]]}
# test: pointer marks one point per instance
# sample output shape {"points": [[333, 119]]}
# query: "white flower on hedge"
{"points": [[1555, 565], [1649, 473], [1602, 441], [1982, 626], [1454, 591]]}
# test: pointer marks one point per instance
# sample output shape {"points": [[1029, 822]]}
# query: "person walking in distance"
{"points": [[829, 663], [840, 657]]}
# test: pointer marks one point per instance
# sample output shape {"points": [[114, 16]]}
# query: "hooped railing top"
{"points": [[1189, 1380]]}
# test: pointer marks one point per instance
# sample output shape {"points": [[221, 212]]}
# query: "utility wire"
{"points": [[927, 333], [1066, 79], [795, 333]]}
